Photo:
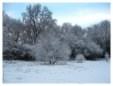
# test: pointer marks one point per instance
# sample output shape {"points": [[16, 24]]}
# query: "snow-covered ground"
{"points": [[72, 72]]}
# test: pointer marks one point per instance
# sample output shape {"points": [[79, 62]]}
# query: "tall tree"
{"points": [[37, 19], [100, 33]]}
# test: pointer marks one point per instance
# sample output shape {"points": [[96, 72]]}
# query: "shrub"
{"points": [[80, 58], [18, 53]]}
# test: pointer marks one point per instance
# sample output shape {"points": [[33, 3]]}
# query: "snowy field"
{"points": [[72, 72]]}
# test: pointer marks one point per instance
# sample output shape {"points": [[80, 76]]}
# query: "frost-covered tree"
{"points": [[13, 27], [51, 48], [12, 39], [78, 41], [72, 35], [78, 31], [100, 33], [37, 19]]}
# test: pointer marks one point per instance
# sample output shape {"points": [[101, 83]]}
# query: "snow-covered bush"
{"points": [[107, 56], [86, 47], [79, 58], [18, 53], [92, 50], [50, 47], [61, 52]]}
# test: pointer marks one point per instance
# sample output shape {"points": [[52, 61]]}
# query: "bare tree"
{"points": [[37, 19]]}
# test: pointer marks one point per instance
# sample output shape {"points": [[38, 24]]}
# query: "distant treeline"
{"points": [[39, 37]]}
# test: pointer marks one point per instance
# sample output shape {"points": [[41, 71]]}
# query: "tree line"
{"points": [[39, 37]]}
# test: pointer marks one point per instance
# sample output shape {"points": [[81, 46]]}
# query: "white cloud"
{"points": [[83, 18], [13, 14]]}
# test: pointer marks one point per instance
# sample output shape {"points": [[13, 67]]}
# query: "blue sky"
{"points": [[83, 14]]}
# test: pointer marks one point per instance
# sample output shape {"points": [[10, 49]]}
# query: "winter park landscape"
{"points": [[72, 72], [56, 43]]}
